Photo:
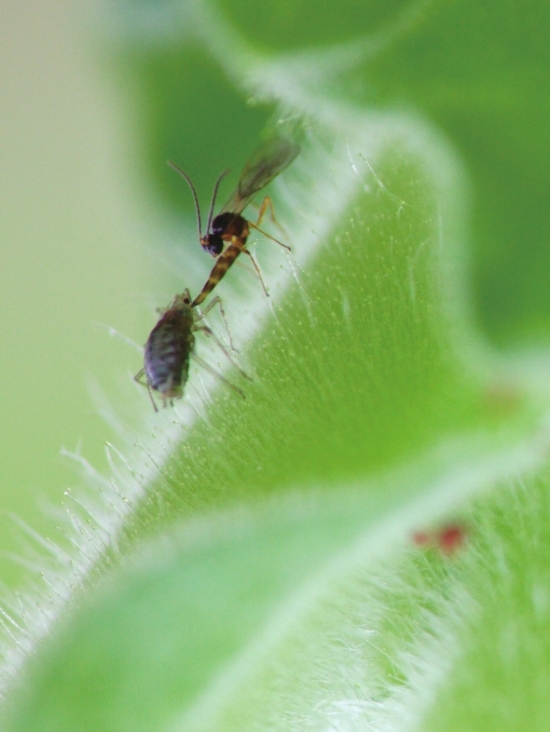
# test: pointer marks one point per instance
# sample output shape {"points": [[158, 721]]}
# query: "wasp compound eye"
{"points": [[213, 244]]}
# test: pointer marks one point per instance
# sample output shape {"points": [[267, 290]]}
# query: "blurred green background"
{"points": [[72, 238]]}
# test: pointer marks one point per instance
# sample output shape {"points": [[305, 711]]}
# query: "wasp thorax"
{"points": [[221, 222]]}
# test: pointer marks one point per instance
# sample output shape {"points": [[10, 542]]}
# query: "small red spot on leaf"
{"points": [[446, 539]]}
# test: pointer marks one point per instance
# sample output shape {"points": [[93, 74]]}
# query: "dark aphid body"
{"points": [[267, 161], [170, 346], [168, 349]]}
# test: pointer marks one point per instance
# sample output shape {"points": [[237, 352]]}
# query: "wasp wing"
{"points": [[267, 161]]}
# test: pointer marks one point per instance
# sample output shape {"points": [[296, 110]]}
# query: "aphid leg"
{"points": [[220, 345], [268, 203], [151, 398], [138, 379], [139, 376], [245, 250], [209, 368], [218, 301]]}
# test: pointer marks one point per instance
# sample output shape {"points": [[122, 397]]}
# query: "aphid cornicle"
{"points": [[267, 161], [170, 346]]}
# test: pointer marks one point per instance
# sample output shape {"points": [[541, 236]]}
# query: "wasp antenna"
{"points": [[214, 194], [193, 191]]}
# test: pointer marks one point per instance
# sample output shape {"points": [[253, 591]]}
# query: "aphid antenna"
{"points": [[214, 195], [193, 191]]}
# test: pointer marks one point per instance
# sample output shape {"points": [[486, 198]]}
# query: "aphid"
{"points": [[267, 161], [170, 346]]}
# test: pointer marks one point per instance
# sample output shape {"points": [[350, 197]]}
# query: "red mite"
{"points": [[448, 539], [267, 161], [170, 346]]}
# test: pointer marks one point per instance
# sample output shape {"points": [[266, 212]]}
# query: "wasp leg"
{"points": [[268, 203], [257, 269]]}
